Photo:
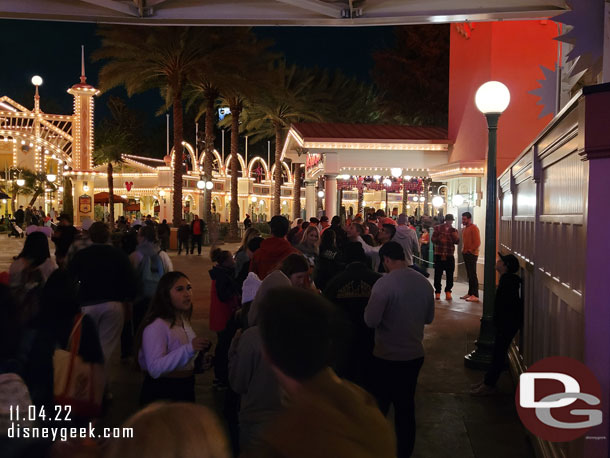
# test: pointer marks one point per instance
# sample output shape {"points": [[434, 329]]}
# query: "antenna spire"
{"points": [[83, 78]]}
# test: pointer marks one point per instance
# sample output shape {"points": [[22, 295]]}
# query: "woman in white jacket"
{"points": [[167, 343]]}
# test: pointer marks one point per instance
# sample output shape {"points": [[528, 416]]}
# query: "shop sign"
{"points": [[313, 160], [84, 204]]}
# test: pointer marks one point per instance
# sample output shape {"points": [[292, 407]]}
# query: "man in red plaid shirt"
{"points": [[444, 238]]}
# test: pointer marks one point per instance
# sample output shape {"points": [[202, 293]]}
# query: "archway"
{"points": [[286, 172], [191, 156], [216, 163], [260, 173], [240, 160]]}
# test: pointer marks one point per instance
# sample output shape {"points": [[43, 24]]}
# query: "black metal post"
{"points": [[481, 357]]}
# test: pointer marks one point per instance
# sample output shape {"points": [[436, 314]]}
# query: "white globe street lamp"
{"points": [[492, 98], [387, 182], [438, 201], [20, 182], [200, 184], [320, 194], [209, 185], [254, 199], [51, 177], [457, 200]]}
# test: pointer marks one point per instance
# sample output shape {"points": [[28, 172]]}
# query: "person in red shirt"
{"points": [[444, 238], [197, 228], [274, 249]]}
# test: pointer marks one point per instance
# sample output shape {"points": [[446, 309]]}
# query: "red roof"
{"points": [[339, 131]]}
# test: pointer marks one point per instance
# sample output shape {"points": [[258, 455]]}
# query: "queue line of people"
{"points": [[306, 330]]}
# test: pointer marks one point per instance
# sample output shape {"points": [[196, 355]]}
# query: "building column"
{"points": [[330, 195], [310, 198], [166, 205], [296, 192]]}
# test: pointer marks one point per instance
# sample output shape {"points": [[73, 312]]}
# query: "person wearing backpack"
{"points": [[150, 264], [106, 283]]}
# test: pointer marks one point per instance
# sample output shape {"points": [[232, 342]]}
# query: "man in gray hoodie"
{"points": [[407, 238]]}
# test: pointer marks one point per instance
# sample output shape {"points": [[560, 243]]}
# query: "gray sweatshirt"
{"points": [[401, 303]]}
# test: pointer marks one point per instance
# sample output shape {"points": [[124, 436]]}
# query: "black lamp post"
{"points": [[491, 99]]}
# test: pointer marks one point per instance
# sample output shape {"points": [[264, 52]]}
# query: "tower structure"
{"points": [[82, 130], [82, 147]]}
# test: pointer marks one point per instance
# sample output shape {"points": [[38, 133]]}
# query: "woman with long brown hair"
{"points": [[166, 343]]}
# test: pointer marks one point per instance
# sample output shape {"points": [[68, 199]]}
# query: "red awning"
{"points": [[132, 207], [102, 198]]}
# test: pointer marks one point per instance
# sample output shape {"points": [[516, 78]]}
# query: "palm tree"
{"points": [[248, 76], [113, 138], [287, 99], [164, 58], [231, 74], [35, 184]]}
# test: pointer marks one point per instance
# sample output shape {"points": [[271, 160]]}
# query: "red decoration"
{"points": [[128, 185]]}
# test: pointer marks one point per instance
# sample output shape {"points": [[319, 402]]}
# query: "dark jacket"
{"points": [[105, 274], [224, 297], [340, 233], [327, 265], [508, 311], [163, 230], [184, 232], [350, 291], [19, 217]]}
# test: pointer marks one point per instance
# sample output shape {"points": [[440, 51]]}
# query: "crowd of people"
{"points": [[319, 331]]}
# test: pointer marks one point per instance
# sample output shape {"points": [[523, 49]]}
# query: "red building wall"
{"points": [[507, 51]]}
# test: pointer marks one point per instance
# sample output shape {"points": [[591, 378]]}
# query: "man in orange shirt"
{"points": [[471, 242]]}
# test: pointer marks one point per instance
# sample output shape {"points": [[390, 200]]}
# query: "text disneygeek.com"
{"points": [[16, 431]]}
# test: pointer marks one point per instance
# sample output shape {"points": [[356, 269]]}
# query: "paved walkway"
{"points": [[450, 422]]}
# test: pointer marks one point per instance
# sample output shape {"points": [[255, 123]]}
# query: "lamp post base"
{"points": [[481, 357]]}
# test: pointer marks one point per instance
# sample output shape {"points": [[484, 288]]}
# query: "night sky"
{"points": [[52, 50]]}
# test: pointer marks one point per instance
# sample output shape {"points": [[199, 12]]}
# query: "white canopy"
{"points": [[279, 12]]}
